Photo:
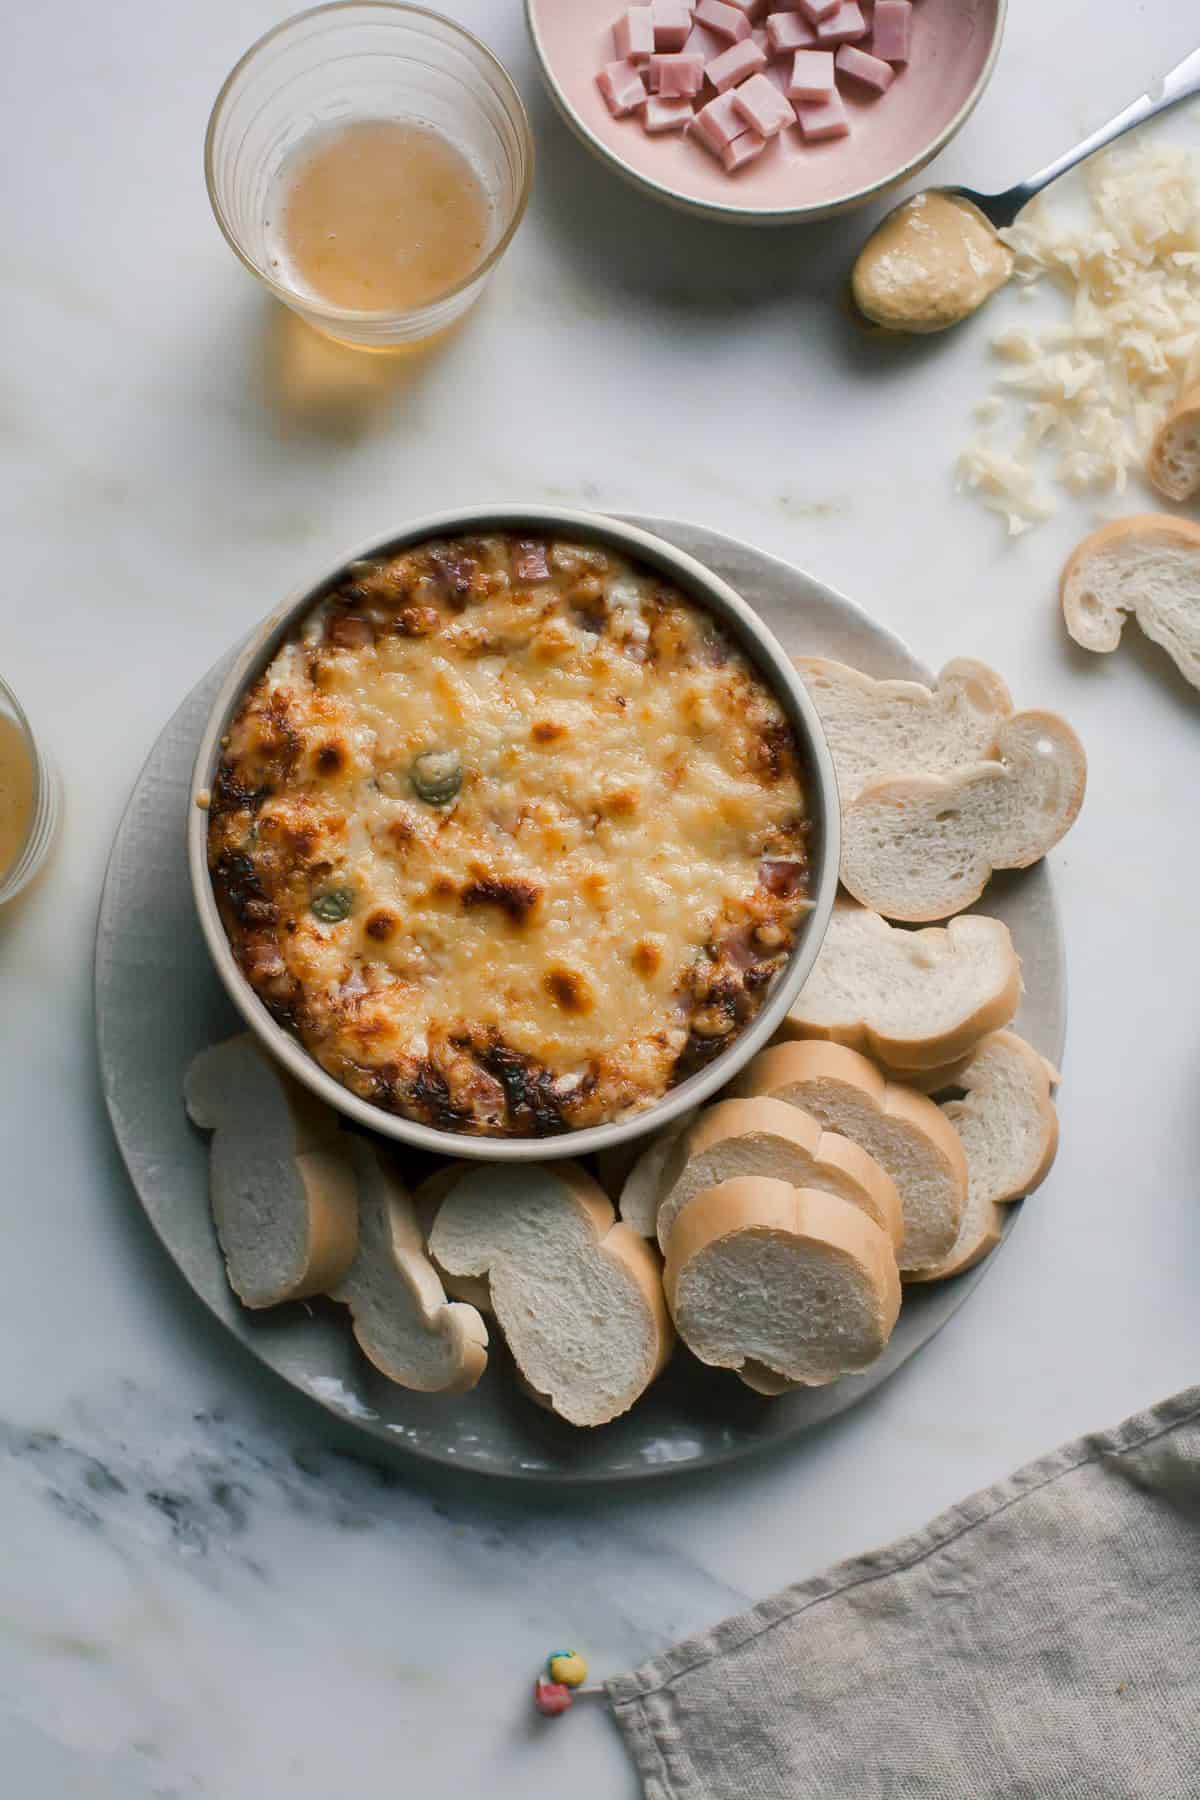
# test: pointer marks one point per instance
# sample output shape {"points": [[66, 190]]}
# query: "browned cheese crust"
{"points": [[510, 835]]}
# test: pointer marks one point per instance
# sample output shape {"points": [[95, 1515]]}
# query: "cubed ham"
{"points": [[816, 10], [718, 123], [845, 26], [812, 76], [672, 23], [622, 87], [787, 31], [820, 119], [742, 150], [735, 64], [762, 107], [679, 76], [860, 66], [633, 35], [891, 35], [726, 21], [666, 115], [751, 8]]}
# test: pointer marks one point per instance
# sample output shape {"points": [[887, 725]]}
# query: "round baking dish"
{"points": [[768, 657]]}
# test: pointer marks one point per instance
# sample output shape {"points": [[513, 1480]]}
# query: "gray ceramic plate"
{"points": [[150, 1028]]}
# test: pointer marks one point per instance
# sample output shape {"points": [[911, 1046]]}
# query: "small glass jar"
{"points": [[46, 804], [365, 59]]}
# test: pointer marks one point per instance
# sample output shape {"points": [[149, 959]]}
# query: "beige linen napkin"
{"points": [[1039, 1642]]}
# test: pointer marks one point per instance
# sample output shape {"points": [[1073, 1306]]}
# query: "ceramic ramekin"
{"points": [[764, 651]]}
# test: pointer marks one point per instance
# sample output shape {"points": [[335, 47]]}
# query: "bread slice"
{"points": [[472, 1290], [770, 1137], [764, 1381], [1009, 1130], [1174, 461], [925, 1081], [578, 1295], [790, 1280], [905, 1133], [281, 1184], [922, 847], [402, 1320], [642, 1190], [1148, 566], [881, 728], [913, 999]]}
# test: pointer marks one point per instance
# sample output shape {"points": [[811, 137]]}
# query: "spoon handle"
{"points": [[1181, 84]]}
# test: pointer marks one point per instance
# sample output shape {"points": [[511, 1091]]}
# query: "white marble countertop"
{"points": [[202, 1593]]}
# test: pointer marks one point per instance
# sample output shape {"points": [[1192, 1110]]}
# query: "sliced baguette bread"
{"points": [[1173, 464], [401, 1317], [577, 1295], [1009, 1130], [905, 1133], [472, 1290], [770, 1137], [796, 1283], [281, 1184], [881, 728], [922, 847], [1148, 566], [912, 999], [642, 1191]]}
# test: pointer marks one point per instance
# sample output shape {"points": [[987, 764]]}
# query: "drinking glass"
{"points": [[365, 59]]}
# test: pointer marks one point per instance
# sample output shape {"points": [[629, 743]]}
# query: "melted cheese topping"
{"points": [[624, 774]]}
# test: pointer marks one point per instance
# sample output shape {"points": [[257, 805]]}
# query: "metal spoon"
{"points": [[1183, 83]]}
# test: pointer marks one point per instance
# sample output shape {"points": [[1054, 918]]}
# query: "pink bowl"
{"points": [[955, 46]]}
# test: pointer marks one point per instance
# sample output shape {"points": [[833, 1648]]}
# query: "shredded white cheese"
{"points": [[1081, 399]]}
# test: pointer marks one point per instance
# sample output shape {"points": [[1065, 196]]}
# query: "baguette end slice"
{"points": [[1148, 566]]}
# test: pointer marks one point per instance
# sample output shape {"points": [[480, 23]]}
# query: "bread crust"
{"points": [[983, 1221], [860, 1180], [920, 1053], [764, 1207], [940, 795], [1184, 415], [1097, 624], [610, 1238], [790, 1066]]}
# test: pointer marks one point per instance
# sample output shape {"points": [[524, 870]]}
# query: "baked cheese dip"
{"points": [[510, 835]]}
